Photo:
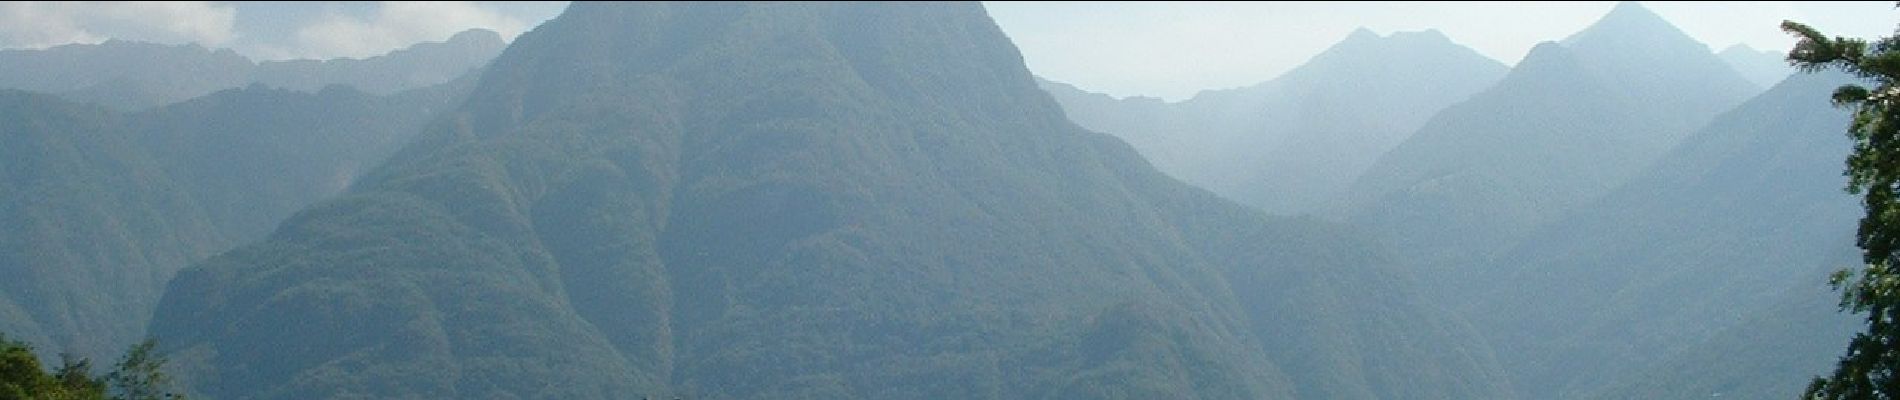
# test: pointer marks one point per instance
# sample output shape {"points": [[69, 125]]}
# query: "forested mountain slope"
{"points": [[805, 200]]}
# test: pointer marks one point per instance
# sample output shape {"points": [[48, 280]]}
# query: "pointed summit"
{"points": [[1632, 25], [1632, 8], [1635, 45], [1361, 33], [1630, 12], [1424, 36]]}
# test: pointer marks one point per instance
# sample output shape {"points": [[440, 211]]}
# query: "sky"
{"points": [[268, 30], [1168, 50], [1173, 50]]}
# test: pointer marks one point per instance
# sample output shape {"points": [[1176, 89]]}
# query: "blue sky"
{"points": [[1167, 50]]}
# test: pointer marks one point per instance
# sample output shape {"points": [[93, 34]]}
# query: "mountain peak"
{"points": [[1629, 23], [1428, 35], [1631, 12], [1361, 33], [1364, 40], [1630, 7], [1632, 43], [1740, 47], [477, 35], [963, 56]]}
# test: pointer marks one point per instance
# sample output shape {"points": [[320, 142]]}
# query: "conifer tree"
{"points": [[1871, 367]]}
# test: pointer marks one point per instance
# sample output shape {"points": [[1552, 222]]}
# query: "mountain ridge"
{"points": [[1698, 241], [1528, 150], [1289, 144], [133, 76], [802, 201]]}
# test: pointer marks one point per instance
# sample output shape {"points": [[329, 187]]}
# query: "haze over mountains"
{"points": [[1541, 143], [1746, 209], [1764, 68], [1707, 219], [1292, 144], [133, 76], [879, 200], [880, 184], [105, 206]]}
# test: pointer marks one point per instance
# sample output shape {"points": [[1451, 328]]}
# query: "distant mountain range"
{"points": [[1764, 68], [103, 207], [126, 75], [1610, 215], [1743, 220], [1571, 122], [1292, 144]]}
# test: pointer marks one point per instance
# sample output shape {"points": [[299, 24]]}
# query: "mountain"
{"points": [[1764, 68], [94, 228], [1290, 144], [1770, 354], [795, 200], [1153, 126], [105, 206], [1732, 225], [124, 75], [420, 65], [130, 76], [253, 156], [1571, 122]]}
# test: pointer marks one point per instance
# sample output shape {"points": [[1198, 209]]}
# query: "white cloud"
{"points": [[397, 24], [46, 24]]}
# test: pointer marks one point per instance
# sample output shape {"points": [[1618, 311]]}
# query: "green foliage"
{"points": [[138, 376], [1871, 367]]}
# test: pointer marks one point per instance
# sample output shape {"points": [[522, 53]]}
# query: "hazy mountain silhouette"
{"points": [[1290, 144], [420, 65], [806, 200], [1569, 123], [104, 207], [1764, 68], [1747, 209], [126, 75], [123, 74]]}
